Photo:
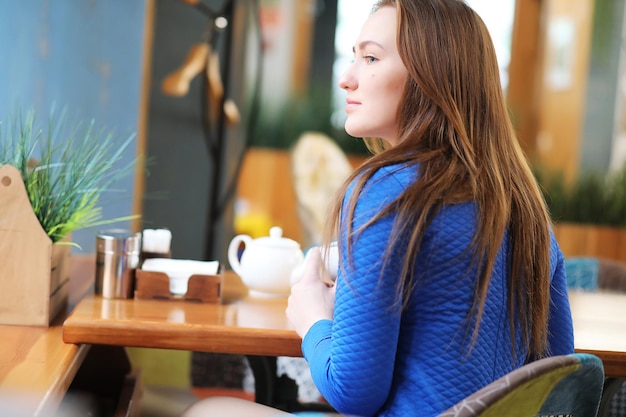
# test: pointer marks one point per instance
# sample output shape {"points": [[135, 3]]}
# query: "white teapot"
{"points": [[266, 263]]}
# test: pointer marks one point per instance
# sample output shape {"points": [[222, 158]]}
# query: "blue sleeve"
{"points": [[560, 327], [352, 358]]}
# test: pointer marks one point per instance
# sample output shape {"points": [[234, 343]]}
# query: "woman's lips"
{"points": [[351, 105]]}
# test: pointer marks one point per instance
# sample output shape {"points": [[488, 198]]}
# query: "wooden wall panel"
{"points": [[564, 83], [550, 37], [525, 72]]}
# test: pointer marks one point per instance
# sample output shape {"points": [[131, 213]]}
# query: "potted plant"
{"points": [[50, 183], [589, 213]]}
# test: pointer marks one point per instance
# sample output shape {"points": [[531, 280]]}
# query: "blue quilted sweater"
{"points": [[375, 360]]}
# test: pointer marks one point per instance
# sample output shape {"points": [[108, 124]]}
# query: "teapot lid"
{"points": [[277, 240]]}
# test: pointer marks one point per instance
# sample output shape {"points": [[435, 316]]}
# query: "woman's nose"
{"points": [[346, 80]]}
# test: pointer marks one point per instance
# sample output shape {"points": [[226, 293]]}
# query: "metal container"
{"points": [[117, 258]]}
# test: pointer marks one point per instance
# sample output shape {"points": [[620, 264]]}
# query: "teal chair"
{"points": [[558, 386], [563, 386]]}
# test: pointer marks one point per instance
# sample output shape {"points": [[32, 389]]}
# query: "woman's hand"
{"points": [[311, 299]]}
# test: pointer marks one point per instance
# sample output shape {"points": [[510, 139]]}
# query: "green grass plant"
{"points": [[592, 198], [65, 168]]}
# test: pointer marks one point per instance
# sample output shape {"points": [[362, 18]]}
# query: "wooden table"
{"points": [[239, 325], [253, 326], [35, 365], [37, 368], [600, 328]]}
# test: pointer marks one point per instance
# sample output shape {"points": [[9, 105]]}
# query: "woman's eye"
{"points": [[370, 59]]}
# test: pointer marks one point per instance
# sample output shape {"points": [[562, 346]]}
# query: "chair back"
{"points": [[567, 385], [595, 274], [319, 168]]}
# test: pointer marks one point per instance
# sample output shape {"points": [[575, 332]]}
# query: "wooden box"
{"points": [[34, 272]]}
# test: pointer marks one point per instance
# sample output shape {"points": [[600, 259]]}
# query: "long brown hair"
{"points": [[454, 128]]}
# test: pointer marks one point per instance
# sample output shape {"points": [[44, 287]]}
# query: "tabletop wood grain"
{"points": [[36, 366], [240, 324]]}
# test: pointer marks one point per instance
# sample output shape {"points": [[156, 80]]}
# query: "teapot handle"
{"points": [[233, 251]]}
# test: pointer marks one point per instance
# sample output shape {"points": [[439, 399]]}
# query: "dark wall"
{"points": [[323, 52], [186, 190], [177, 183]]}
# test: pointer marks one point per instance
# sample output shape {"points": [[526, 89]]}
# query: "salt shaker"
{"points": [[117, 259]]}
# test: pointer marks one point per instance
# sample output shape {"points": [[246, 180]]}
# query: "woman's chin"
{"points": [[354, 131]]}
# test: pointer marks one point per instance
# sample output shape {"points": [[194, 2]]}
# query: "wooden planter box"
{"points": [[591, 241], [34, 273]]}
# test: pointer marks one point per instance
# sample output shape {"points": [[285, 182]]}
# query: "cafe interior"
{"points": [[231, 121]]}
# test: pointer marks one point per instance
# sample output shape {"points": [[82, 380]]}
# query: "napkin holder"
{"points": [[153, 285]]}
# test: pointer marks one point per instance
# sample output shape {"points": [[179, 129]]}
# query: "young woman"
{"points": [[449, 276]]}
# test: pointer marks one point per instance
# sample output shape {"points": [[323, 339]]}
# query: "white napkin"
{"points": [[156, 240], [181, 266]]}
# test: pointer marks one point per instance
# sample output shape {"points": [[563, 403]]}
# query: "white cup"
{"points": [[330, 258]]}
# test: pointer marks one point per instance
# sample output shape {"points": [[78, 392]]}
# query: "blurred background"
{"points": [[219, 91], [561, 67]]}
